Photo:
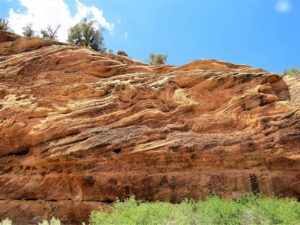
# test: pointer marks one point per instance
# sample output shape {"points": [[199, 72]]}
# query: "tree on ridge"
{"points": [[4, 24], [49, 33], [28, 31], [158, 59], [85, 34]]}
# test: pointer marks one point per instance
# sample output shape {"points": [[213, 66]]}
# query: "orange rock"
{"points": [[79, 129]]}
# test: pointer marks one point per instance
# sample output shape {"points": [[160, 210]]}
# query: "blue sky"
{"points": [[261, 33]]}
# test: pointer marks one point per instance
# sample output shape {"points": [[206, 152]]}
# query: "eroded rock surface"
{"points": [[79, 129]]}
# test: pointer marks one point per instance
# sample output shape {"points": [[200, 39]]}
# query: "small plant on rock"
{"points": [[158, 59], [6, 222], [293, 72], [53, 221]]}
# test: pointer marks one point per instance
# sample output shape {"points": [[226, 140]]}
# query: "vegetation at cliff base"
{"points": [[53, 221], [6, 222], [249, 210]]}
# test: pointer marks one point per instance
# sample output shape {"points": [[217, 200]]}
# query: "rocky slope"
{"points": [[79, 129]]}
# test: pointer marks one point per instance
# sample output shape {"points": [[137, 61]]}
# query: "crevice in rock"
{"points": [[254, 184], [117, 150], [19, 153], [89, 180], [108, 201], [30, 199]]}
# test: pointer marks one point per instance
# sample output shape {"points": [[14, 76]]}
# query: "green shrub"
{"points": [[293, 72], [6, 222], [248, 210], [158, 59], [53, 221], [28, 31], [4, 25]]}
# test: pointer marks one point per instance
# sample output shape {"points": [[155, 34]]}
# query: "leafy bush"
{"points": [[53, 221], [293, 72], [158, 59], [6, 222], [4, 24], [248, 210], [28, 31]]}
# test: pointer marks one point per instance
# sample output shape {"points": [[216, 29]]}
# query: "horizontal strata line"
{"points": [[53, 202], [138, 172]]}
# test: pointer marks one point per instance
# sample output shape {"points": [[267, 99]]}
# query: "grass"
{"points": [[53, 221], [5, 222], [249, 210]]}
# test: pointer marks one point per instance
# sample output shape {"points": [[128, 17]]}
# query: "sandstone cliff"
{"points": [[79, 129]]}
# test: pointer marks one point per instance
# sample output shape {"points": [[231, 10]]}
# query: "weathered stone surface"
{"points": [[79, 129]]}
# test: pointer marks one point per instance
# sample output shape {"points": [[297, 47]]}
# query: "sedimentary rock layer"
{"points": [[79, 129]]}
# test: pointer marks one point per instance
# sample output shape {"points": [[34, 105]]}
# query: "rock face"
{"points": [[79, 129]]}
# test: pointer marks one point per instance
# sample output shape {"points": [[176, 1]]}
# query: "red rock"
{"points": [[79, 129], [122, 53]]}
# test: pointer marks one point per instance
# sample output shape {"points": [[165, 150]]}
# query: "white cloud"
{"points": [[283, 6], [126, 35], [54, 12]]}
